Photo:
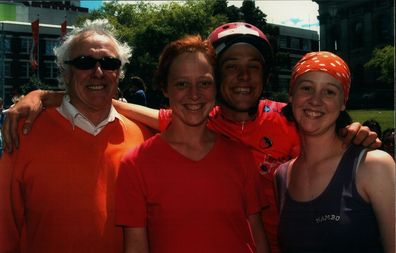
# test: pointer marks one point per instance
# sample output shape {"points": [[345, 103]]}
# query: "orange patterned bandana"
{"points": [[326, 62]]}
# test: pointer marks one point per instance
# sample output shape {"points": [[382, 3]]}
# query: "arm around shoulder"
{"points": [[29, 107], [142, 114], [360, 135]]}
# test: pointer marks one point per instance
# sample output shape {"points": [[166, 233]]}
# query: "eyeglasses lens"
{"points": [[88, 62]]}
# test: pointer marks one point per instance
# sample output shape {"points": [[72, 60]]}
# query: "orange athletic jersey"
{"points": [[57, 190], [272, 140]]}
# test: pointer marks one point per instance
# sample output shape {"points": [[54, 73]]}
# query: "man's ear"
{"points": [[164, 92], [290, 98]]}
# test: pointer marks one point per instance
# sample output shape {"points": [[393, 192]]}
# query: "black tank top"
{"points": [[338, 220]]}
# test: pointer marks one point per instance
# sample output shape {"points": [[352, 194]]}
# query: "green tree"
{"points": [[33, 84], [220, 7], [148, 27], [234, 14], [383, 60], [253, 14]]}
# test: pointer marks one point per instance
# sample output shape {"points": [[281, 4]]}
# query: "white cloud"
{"points": [[297, 13], [301, 13]]}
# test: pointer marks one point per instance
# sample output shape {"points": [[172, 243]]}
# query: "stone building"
{"points": [[291, 45], [353, 29]]}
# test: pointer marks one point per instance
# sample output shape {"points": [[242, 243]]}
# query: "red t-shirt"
{"points": [[271, 138], [190, 206]]}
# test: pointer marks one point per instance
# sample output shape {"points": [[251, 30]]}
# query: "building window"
{"points": [[383, 28], [23, 69], [9, 84], [5, 43], [295, 43], [306, 45], [357, 36], [335, 34], [26, 45], [7, 68], [50, 70], [282, 41], [49, 46]]}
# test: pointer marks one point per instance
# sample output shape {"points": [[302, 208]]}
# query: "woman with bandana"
{"points": [[332, 198]]}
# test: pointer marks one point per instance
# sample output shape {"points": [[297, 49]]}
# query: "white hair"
{"points": [[99, 26]]}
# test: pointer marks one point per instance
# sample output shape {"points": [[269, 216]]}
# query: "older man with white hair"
{"points": [[57, 189]]}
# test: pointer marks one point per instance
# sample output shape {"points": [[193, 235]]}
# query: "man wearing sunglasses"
{"points": [[57, 189]]}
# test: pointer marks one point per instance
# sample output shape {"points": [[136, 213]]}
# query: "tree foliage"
{"points": [[383, 60], [148, 27], [33, 84]]}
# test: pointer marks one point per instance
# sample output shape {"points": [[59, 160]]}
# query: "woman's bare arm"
{"points": [[259, 236], [376, 184], [135, 240], [143, 114]]}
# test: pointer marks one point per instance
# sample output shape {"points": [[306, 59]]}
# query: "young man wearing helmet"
{"points": [[244, 60]]}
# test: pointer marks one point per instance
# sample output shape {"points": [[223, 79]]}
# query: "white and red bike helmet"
{"points": [[228, 34]]}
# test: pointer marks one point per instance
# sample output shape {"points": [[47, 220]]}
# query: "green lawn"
{"points": [[386, 118]]}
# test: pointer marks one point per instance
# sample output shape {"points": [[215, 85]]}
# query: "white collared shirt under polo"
{"points": [[67, 110]]}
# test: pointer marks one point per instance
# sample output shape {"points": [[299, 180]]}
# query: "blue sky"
{"points": [[91, 4], [301, 13]]}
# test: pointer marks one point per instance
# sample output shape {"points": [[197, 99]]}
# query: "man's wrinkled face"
{"points": [[92, 90]]}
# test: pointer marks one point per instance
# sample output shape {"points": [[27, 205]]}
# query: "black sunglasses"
{"points": [[88, 62]]}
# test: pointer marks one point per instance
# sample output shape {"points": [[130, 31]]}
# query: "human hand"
{"points": [[30, 107], [357, 134]]}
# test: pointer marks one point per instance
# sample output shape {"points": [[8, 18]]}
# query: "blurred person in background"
{"points": [[136, 91], [388, 141], [374, 126]]}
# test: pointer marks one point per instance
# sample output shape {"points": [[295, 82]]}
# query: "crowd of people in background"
{"points": [[387, 136]]}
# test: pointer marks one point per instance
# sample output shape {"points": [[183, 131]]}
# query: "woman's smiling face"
{"points": [[317, 99], [191, 88]]}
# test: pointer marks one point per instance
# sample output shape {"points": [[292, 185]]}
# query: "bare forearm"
{"points": [[135, 240], [51, 98], [142, 114], [260, 238]]}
